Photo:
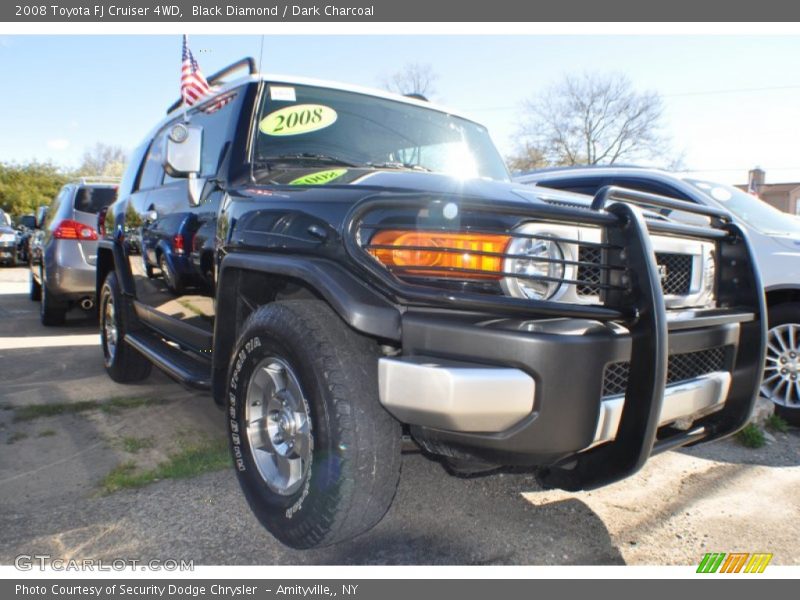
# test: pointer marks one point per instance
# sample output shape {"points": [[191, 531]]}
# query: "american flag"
{"points": [[193, 84]]}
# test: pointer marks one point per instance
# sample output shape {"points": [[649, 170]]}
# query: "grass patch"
{"points": [[190, 461], [16, 436], [133, 444], [38, 411], [116, 404], [751, 436], [777, 423], [46, 433]]}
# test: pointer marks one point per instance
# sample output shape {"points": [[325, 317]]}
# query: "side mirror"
{"points": [[40, 220], [183, 156]]}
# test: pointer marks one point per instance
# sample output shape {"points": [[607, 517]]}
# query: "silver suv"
{"points": [[65, 276]]}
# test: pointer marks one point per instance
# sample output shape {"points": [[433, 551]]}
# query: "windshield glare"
{"points": [[368, 131], [756, 213]]}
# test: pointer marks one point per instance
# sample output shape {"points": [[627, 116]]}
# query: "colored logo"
{"points": [[734, 562], [319, 178]]}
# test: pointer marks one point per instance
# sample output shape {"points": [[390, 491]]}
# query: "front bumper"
{"points": [[8, 251], [512, 391]]}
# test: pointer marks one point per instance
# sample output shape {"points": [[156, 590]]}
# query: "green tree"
{"points": [[25, 187]]}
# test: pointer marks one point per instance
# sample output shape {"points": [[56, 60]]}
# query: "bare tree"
{"points": [[527, 158], [413, 79], [592, 119], [103, 159]]}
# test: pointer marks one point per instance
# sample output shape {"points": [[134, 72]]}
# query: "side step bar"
{"points": [[175, 363]]}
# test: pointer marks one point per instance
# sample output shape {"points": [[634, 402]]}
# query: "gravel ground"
{"points": [[719, 497]]}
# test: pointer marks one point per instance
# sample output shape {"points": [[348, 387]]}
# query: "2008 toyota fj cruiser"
{"points": [[368, 269]]}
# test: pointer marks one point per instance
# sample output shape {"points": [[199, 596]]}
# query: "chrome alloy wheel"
{"points": [[278, 426], [110, 334], [782, 372]]}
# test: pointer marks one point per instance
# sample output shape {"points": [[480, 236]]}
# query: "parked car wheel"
{"points": [[122, 362], [52, 310], [781, 382], [170, 278], [36, 289], [317, 456]]}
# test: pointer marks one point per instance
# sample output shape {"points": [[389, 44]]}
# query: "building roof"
{"points": [[773, 188]]}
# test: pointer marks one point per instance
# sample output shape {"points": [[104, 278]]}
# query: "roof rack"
{"points": [[97, 179], [248, 62]]}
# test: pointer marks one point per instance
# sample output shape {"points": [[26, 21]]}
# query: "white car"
{"points": [[775, 237]]}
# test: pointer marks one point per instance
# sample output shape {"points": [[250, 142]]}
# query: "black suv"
{"points": [[374, 274]]}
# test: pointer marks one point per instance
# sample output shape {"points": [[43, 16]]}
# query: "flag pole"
{"points": [[185, 104]]}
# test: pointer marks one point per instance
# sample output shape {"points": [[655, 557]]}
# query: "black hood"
{"points": [[368, 181]]}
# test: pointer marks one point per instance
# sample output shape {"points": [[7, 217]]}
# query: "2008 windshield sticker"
{"points": [[298, 119]]}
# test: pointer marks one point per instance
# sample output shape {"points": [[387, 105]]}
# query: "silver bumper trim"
{"points": [[688, 400], [453, 395]]}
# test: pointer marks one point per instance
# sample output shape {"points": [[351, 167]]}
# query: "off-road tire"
{"points": [[125, 364], [355, 461]]}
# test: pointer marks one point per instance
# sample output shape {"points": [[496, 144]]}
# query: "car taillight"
{"points": [[73, 230], [177, 244], [442, 254], [101, 222]]}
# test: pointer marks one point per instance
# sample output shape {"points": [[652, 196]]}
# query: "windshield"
{"points": [[756, 213], [307, 124]]}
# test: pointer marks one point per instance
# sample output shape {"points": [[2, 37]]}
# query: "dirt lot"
{"points": [[92, 469]]}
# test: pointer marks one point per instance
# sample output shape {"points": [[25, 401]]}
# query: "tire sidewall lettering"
{"points": [[246, 356]]}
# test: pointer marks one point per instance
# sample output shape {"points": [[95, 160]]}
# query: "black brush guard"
{"points": [[632, 295]]}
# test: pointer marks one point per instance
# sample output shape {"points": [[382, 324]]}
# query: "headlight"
{"points": [[541, 272], [8, 237]]}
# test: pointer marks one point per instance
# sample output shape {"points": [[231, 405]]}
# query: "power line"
{"points": [[734, 91], [675, 95]]}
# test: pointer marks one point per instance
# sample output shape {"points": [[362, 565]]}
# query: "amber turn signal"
{"points": [[442, 254]]}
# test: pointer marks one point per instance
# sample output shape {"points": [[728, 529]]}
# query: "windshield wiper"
{"points": [[397, 165], [268, 161]]}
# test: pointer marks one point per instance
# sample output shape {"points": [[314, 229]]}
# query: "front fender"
{"points": [[358, 305]]}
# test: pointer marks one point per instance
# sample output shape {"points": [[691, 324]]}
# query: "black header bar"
{"points": [[182, 11]]}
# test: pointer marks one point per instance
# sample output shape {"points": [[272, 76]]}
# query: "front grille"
{"points": [[680, 367], [677, 269], [589, 274], [678, 280]]}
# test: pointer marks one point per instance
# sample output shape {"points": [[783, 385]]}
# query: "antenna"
{"points": [[261, 55]]}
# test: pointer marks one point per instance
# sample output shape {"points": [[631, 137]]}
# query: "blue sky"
{"points": [[64, 93]]}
